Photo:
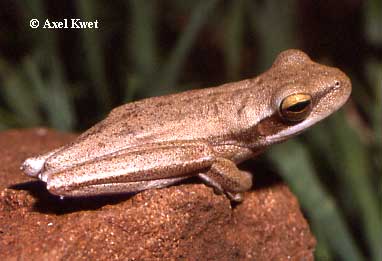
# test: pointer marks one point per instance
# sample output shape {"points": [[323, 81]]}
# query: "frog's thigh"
{"points": [[130, 170], [226, 177]]}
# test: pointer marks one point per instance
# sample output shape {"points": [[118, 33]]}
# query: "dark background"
{"points": [[68, 79]]}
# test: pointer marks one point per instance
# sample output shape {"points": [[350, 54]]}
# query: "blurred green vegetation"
{"points": [[70, 79]]}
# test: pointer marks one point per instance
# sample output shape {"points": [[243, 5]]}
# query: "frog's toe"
{"points": [[237, 197], [32, 166]]}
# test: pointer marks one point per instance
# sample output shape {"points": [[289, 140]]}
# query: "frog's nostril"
{"points": [[337, 84]]}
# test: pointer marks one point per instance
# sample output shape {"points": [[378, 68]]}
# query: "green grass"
{"points": [[334, 169]]}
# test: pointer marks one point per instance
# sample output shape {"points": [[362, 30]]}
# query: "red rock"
{"points": [[183, 222]]}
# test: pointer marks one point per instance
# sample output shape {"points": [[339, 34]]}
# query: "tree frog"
{"points": [[160, 141]]}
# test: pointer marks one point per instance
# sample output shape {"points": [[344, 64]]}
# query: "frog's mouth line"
{"points": [[290, 131]]}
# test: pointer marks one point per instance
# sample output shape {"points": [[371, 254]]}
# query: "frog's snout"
{"points": [[342, 88], [32, 166]]}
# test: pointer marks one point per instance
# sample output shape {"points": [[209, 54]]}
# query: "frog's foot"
{"points": [[237, 197], [226, 178]]}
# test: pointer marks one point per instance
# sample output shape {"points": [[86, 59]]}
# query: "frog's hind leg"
{"points": [[129, 187], [132, 169], [226, 178], [35, 165]]}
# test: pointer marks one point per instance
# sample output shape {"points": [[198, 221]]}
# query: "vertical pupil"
{"points": [[298, 106]]}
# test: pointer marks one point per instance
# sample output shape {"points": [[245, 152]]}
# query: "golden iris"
{"points": [[296, 107]]}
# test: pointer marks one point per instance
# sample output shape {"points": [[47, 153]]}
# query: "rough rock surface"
{"points": [[183, 222]]}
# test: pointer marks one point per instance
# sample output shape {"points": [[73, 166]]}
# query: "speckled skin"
{"points": [[158, 141]]}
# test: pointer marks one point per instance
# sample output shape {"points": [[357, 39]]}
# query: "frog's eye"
{"points": [[296, 107]]}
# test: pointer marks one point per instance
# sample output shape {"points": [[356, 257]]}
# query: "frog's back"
{"points": [[197, 114], [188, 115]]}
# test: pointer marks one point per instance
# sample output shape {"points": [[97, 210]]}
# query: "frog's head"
{"points": [[305, 93]]}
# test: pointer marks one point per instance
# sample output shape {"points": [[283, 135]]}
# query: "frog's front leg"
{"points": [[227, 178]]}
